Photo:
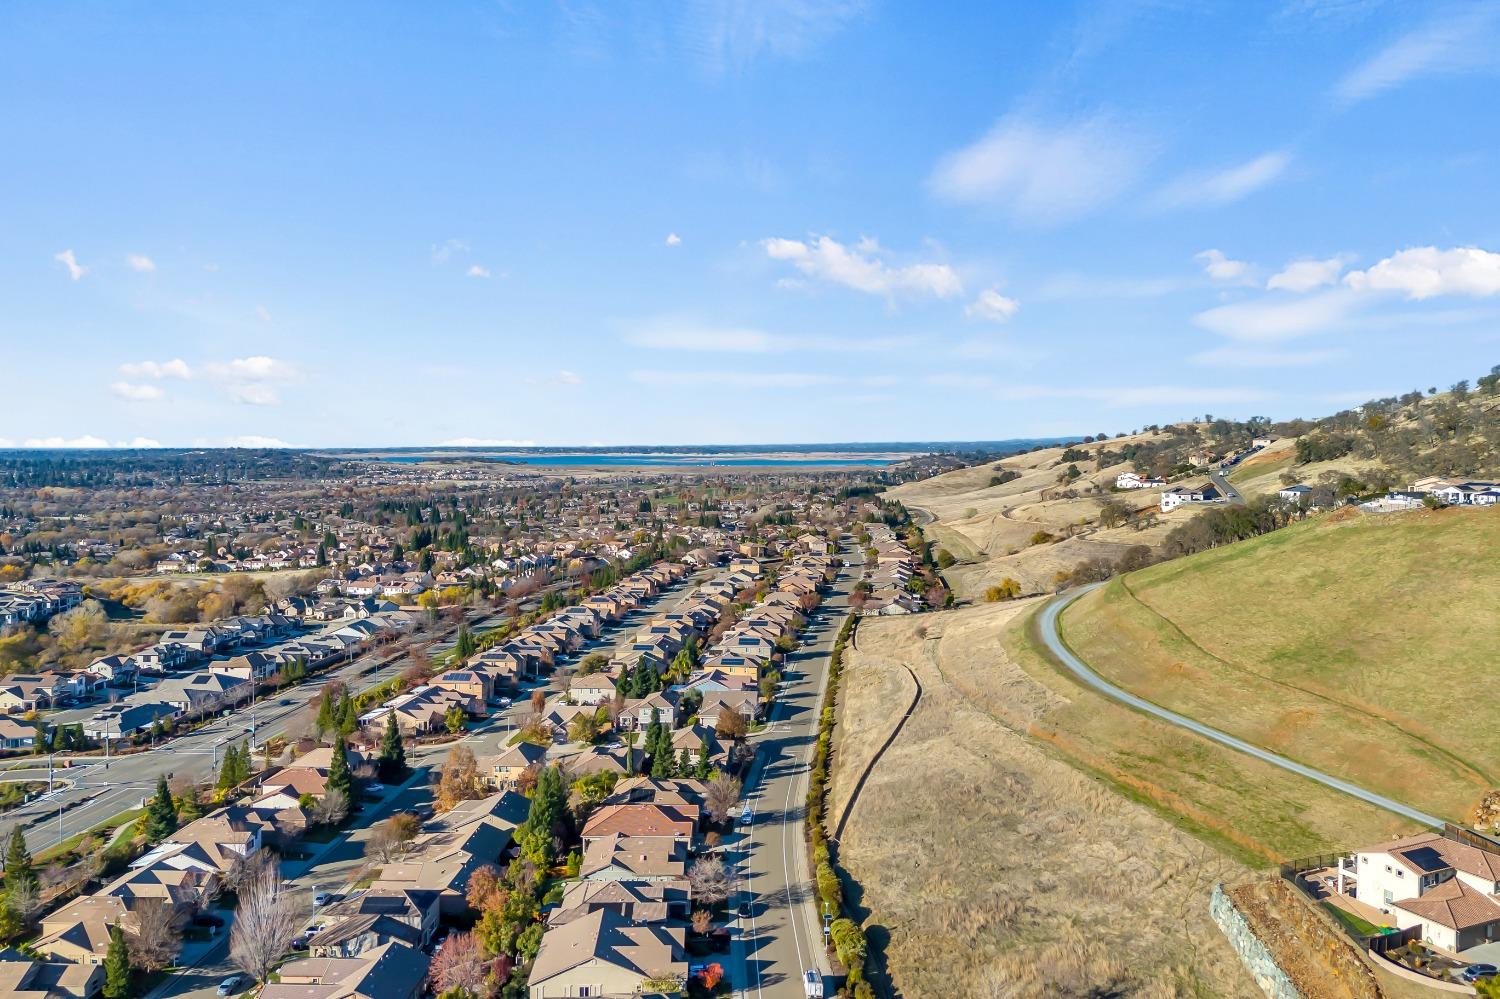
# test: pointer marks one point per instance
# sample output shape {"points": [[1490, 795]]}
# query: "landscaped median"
{"points": [[847, 938]]}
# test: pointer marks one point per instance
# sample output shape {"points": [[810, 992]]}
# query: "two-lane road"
{"points": [[783, 935]]}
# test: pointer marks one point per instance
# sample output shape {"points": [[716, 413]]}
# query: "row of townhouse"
{"points": [[33, 601], [895, 565], [222, 683], [624, 920]]}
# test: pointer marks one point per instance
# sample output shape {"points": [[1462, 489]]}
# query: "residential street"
{"points": [[783, 935]]}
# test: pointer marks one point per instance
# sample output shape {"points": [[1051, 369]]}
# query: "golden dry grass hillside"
{"points": [[992, 529], [1039, 840], [1359, 644]]}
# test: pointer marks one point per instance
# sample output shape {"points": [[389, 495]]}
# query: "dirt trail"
{"points": [[979, 851]]}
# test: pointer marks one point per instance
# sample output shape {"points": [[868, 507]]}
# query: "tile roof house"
{"points": [[390, 971], [603, 954], [22, 978], [623, 858], [1446, 887]]}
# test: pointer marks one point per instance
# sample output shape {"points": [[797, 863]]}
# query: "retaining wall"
{"points": [[1257, 959]]}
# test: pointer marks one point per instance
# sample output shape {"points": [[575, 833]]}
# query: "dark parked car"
{"points": [[1475, 972], [207, 919], [299, 943]]}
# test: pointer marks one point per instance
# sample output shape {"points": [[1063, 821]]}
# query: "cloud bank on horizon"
{"points": [[1040, 222]]}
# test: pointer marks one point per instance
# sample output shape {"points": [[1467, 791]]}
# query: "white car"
{"points": [[812, 984], [747, 817], [323, 898], [504, 702], [375, 788]]}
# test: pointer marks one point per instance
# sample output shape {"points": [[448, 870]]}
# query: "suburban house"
{"points": [[626, 858], [390, 971], [1293, 494], [1135, 480], [374, 918], [1447, 888], [1172, 498], [22, 978], [16, 735], [503, 772], [604, 954]]}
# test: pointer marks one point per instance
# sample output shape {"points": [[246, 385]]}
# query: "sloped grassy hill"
{"points": [[1366, 646]]}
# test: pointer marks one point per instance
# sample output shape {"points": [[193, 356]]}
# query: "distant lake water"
{"points": [[644, 460]]}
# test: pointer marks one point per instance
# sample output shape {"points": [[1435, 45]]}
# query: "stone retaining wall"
{"points": [[1257, 959]]}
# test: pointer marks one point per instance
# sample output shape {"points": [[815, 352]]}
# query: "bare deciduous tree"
{"points": [[722, 795], [331, 808], [711, 881], [265, 923], [390, 838], [703, 920], [158, 935]]}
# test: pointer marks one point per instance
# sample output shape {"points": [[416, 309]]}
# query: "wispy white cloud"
{"points": [[992, 306], [255, 441], [1277, 319], [673, 239], [140, 263], [1225, 186], [1219, 267], [135, 392], [477, 271], [1306, 275], [567, 377], [258, 367], [446, 250], [727, 35], [67, 258], [255, 394], [863, 268], [175, 368], [1426, 271], [1461, 39], [1044, 173], [262, 313]]}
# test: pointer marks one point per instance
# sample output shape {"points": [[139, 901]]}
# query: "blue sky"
{"points": [[736, 221]]}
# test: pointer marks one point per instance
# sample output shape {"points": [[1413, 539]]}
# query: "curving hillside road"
{"points": [[1225, 489], [1048, 622]]}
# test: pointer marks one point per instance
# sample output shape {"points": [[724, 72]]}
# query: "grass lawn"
{"points": [[104, 829], [1355, 923], [1359, 645]]}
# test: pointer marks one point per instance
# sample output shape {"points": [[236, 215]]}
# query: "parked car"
{"points": [[1475, 972], [504, 702], [747, 817], [229, 986], [299, 943], [323, 898], [812, 984], [744, 910], [375, 788]]}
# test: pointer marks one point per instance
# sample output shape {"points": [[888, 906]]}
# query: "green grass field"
{"points": [[1364, 646]]}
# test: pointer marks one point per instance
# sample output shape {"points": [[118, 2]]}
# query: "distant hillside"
{"points": [[1359, 644]]}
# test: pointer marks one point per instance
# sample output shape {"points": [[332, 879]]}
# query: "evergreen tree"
{"points": [[229, 769], [464, 647], [325, 720], [161, 814], [392, 751], [684, 764], [339, 777], [18, 869], [191, 806], [705, 768], [117, 966], [549, 803]]}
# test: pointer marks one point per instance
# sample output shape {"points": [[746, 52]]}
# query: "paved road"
{"points": [[1088, 676], [783, 936], [1225, 489]]}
